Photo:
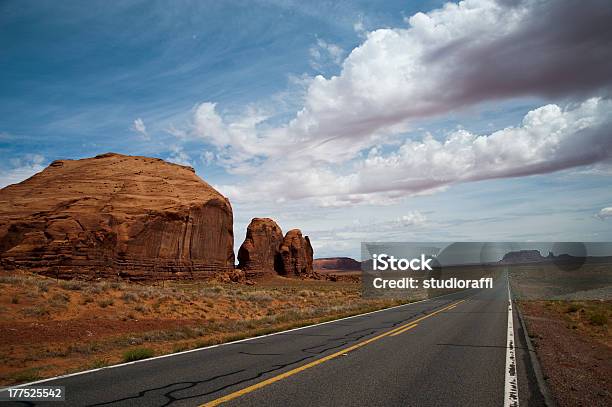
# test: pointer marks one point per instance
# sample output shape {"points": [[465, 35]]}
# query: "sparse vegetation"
{"points": [[98, 363], [86, 300], [37, 311], [42, 285], [259, 296], [141, 308], [106, 302], [27, 375], [305, 293], [74, 285], [572, 308], [129, 297], [598, 319], [59, 299], [177, 316], [137, 354]]}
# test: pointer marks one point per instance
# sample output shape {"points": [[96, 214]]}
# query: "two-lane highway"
{"points": [[450, 350]]}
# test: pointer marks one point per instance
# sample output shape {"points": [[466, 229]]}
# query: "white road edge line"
{"points": [[511, 398], [213, 346]]}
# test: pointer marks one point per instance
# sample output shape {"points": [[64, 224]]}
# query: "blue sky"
{"points": [[314, 114]]}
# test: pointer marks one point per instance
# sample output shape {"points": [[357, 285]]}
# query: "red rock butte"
{"points": [[114, 214], [266, 252]]}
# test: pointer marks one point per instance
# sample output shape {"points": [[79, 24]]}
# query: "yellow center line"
{"points": [[314, 363], [401, 331]]}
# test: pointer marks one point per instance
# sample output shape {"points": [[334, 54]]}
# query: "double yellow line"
{"points": [[264, 383]]}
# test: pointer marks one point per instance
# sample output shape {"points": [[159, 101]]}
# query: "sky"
{"points": [[353, 121]]}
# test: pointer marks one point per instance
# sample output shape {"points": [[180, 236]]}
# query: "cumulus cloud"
{"points": [[22, 168], [459, 55], [605, 213], [139, 127], [549, 138]]}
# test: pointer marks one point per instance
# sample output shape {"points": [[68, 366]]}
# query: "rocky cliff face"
{"points": [[260, 252], [296, 253], [266, 251], [116, 214]]}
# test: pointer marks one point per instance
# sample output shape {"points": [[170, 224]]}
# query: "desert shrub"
{"points": [[137, 354], [84, 348], [43, 286], [86, 300], [28, 375], [259, 296], [141, 308], [129, 297], [179, 348], [145, 294], [74, 285], [598, 319], [94, 289], [106, 302], [305, 293], [35, 311], [59, 299], [572, 308], [98, 363], [10, 280], [15, 300], [216, 289]]}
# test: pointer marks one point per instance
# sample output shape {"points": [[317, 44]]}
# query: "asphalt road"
{"points": [[455, 355]]}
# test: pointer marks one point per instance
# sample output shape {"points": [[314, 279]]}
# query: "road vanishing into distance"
{"points": [[454, 350]]}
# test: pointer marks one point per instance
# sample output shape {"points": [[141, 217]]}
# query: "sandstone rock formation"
{"points": [[266, 252], [116, 214], [260, 252], [296, 253]]}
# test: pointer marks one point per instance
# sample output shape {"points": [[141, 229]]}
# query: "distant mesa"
{"points": [[337, 264], [564, 261], [266, 252], [116, 215], [523, 256]]}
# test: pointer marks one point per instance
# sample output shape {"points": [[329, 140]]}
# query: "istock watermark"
{"points": [[536, 270]]}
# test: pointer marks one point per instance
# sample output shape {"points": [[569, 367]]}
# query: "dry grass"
{"points": [[59, 327], [586, 317]]}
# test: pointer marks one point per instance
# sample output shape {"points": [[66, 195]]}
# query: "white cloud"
{"points": [[179, 156], [208, 157], [359, 27], [549, 138], [325, 53], [444, 60], [605, 213], [412, 218], [22, 168], [139, 127]]}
